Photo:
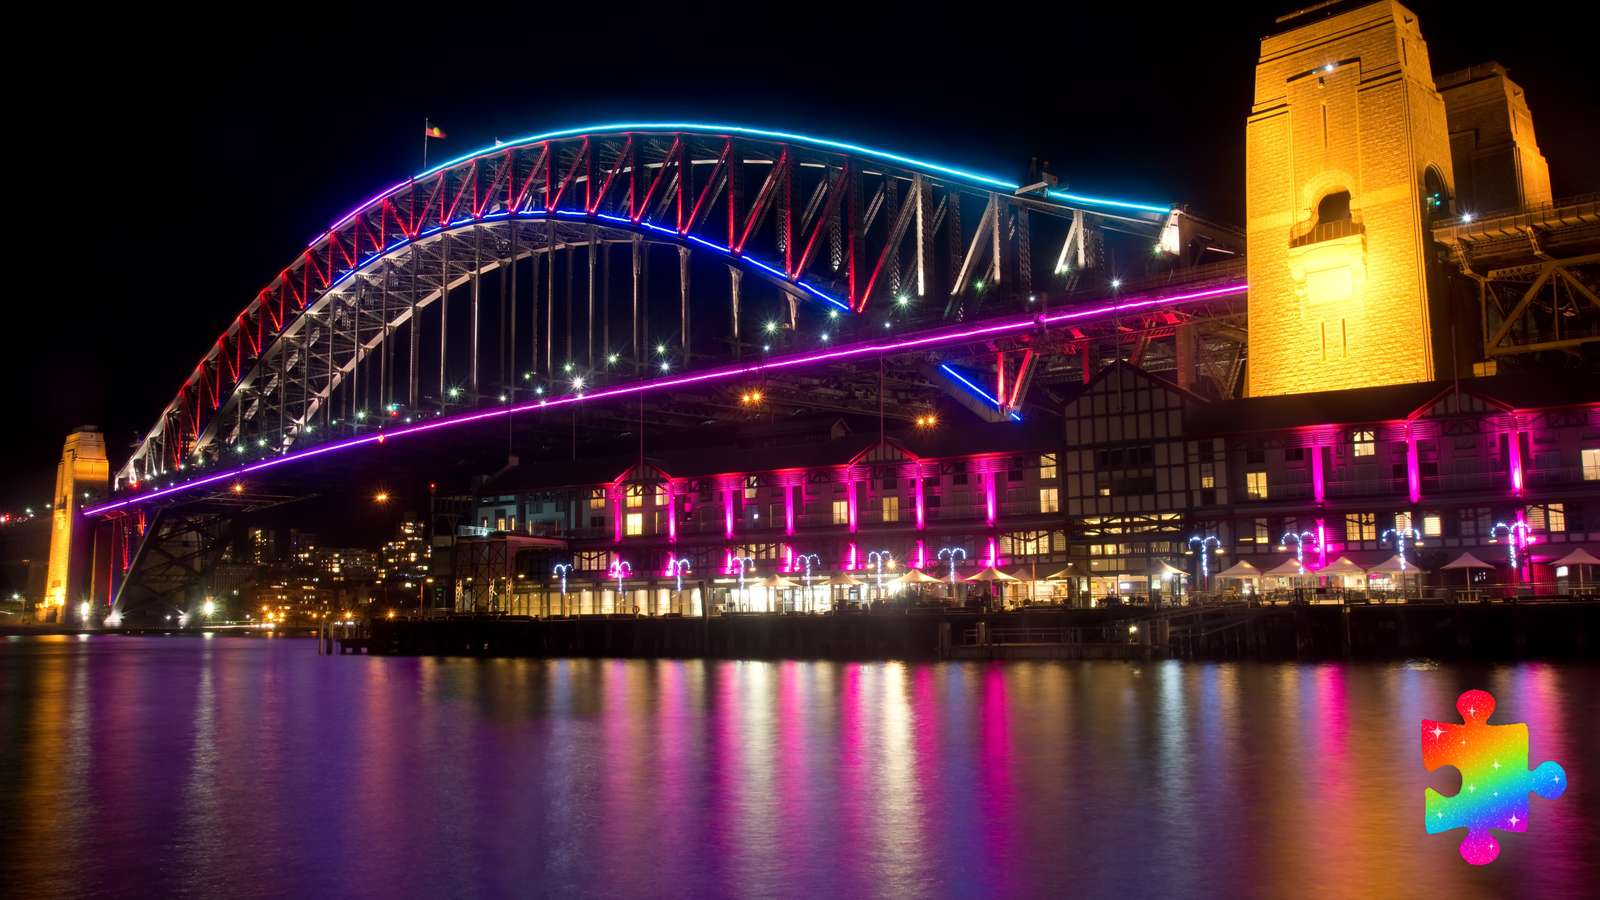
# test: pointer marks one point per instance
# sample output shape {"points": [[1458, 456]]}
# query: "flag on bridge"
{"points": [[431, 130]]}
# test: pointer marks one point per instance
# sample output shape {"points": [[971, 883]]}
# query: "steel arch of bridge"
{"points": [[298, 356]]}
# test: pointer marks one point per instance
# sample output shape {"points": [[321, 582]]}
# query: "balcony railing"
{"points": [[1328, 231]]}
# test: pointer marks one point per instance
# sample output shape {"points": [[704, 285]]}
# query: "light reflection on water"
{"points": [[248, 767]]}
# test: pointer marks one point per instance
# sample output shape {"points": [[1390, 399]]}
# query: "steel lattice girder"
{"points": [[759, 199]]}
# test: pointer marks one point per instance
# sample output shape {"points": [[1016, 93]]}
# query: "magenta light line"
{"points": [[953, 335]]}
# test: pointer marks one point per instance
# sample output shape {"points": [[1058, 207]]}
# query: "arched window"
{"points": [[1435, 196], [1334, 207]]}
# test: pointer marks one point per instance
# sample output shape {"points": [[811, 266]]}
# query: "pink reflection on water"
{"points": [[997, 800]]}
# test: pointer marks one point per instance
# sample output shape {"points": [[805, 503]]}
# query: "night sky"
{"points": [[170, 166]]}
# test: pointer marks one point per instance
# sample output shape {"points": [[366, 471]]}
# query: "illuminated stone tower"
{"points": [[1347, 157], [83, 467], [1497, 160]]}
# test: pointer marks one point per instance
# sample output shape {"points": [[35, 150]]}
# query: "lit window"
{"points": [[511, 523], [891, 509], [1047, 465], [1361, 526], [597, 498], [661, 495], [1049, 500], [1431, 525], [1551, 518], [1262, 536], [635, 524], [635, 496], [1591, 464], [841, 512], [1255, 485], [1365, 443], [751, 482], [1208, 476], [1402, 521]]}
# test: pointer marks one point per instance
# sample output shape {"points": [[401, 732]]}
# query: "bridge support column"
{"points": [[735, 276], [1185, 340], [683, 300], [83, 469]]}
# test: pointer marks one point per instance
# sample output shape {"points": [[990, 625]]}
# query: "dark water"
{"points": [[248, 767]]}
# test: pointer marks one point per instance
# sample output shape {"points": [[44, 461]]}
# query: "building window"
{"points": [[1255, 485], [1365, 443], [958, 473], [1263, 537], [1432, 525], [1591, 464], [841, 512], [891, 509], [512, 523], [1047, 465], [1208, 476], [751, 483], [1549, 519], [661, 495], [635, 496], [1361, 526], [1402, 522], [1049, 500], [635, 525], [597, 498]]}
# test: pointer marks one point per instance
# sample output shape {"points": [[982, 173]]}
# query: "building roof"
{"points": [[805, 442], [1387, 403]]}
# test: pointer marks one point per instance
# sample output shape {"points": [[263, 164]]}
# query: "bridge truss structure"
{"points": [[571, 261]]}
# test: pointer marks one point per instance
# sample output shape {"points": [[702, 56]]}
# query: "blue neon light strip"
{"points": [[949, 370], [844, 146], [570, 213]]}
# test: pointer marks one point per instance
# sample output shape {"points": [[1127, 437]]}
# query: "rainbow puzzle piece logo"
{"points": [[1495, 781]]}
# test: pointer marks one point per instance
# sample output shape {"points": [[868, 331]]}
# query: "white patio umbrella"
{"points": [[1580, 558], [1242, 569], [1394, 566], [917, 576], [1289, 568], [773, 584], [1466, 562], [990, 574]]}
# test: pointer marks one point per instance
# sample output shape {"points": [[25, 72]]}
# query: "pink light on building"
{"points": [[672, 563], [922, 551], [1319, 484], [855, 522], [1413, 468], [1322, 543], [988, 498], [672, 517], [727, 561], [616, 518], [922, 511], [727, 513], [994, 553], [788, 510], [1514, 459], [788, 557]]}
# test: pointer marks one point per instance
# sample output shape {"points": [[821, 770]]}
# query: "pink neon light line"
{"points": [[933, 338]]}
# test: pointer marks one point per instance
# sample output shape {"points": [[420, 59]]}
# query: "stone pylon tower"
{"points": [[1347, 160], [83, 467]]}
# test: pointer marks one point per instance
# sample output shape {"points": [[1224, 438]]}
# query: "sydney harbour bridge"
{"points": [[547, 293]]}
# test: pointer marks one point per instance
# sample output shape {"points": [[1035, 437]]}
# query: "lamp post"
{"points": [[878, 559], [1299, 546], [951, 553], [1518, 534], [620, 570], [743, 564], [808, 560], [1402, 536], [1206, 545], [562, 569]]}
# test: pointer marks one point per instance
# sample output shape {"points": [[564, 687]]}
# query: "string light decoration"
{"points": [[1401, 537], [1205, 555], [1519, 535], [878, 559], [619, 570], [1299, 539], [678, 567], [951, 553]]}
